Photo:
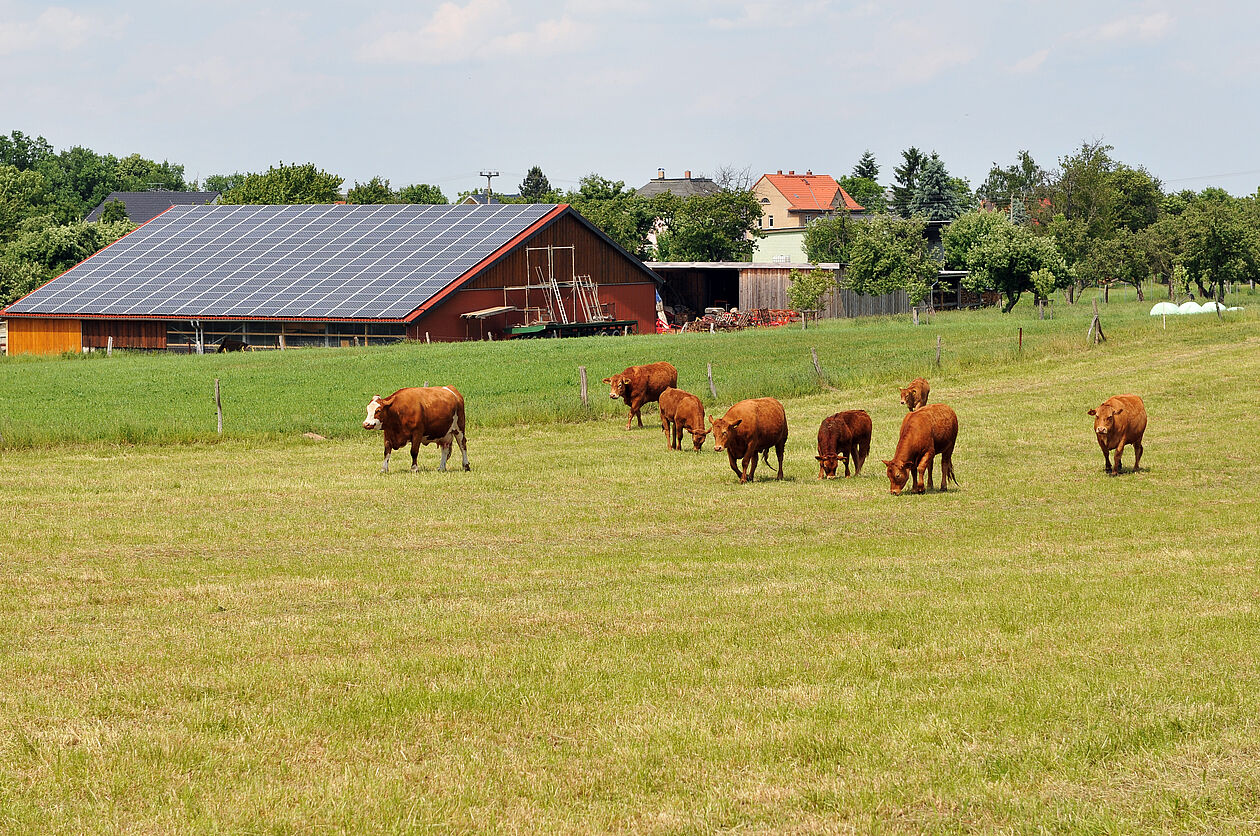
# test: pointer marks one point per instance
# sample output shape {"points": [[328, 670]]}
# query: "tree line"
{"points": [[1092, 220]]}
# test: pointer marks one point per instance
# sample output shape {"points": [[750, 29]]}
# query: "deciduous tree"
{"points": [[827, 239], [889, 254], [422, 193], [375, 191], [286, 185], [1006, 258]]}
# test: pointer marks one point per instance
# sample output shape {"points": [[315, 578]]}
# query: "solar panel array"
{"points": [[254, 262]]}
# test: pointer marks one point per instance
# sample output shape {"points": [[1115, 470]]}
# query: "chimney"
{"points": [[687, 174], [791, 171], [780, 171], [808, 172], [660, 174]]}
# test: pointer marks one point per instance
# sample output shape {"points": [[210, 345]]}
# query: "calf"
{"points": [[682, 411], [915, 395], [1119, 421], [925, 432], [638, 385], [748, 428], [841, 437], [419, 416]]}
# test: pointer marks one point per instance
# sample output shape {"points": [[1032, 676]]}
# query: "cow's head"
{"points": [[375, 411], [910, 398], [619, 385], [698, 437], [828, 464], [722, 430], [898, 475], [1105, 419]]}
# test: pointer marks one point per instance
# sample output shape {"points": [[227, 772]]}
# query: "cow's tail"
{"points": [[864, 447], [949, 473]]}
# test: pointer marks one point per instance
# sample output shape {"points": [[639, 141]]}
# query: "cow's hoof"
{"points": [[467, 468]]}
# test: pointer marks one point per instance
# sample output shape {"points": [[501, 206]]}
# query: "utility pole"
{"points": [[488, 175]]}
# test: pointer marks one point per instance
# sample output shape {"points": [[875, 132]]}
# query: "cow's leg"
{"points": [[848, 455], [462, 438], [925, 466], [630, 417], [750, 466], [385, 464], [444, 448], [1106, 457], [1119, 468], [730, 456], [1137, 455], [778, 451], [415, 455], [678, 435]]}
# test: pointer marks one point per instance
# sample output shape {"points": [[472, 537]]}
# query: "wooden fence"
{"points": [[766, 287]]}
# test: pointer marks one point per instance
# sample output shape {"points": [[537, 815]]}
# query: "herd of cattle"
{"points": [[750, 428]]}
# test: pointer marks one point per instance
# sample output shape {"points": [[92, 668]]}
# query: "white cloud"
{"points": [[56, 27], [780, 14], [476, 30], [1031, 63], [1150, 27]]}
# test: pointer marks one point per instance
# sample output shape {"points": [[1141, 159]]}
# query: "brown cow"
{"points": [[682, 411], [1119, 421], [748, 428], [638, 385], [841, 437], [419, 416], [915, 396], [925, 432]]}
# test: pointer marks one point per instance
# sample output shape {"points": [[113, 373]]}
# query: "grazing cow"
{"points": [[915, 396], [925, 432], [841, 437], [419, 416], [230, 344], [638, 385], [1119, 421], [748, 428], [682, 411]]}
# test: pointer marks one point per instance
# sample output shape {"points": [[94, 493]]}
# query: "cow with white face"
{"points": [[418, 416]]}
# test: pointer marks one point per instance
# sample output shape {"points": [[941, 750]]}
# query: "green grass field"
{"points": [[589, 633]]}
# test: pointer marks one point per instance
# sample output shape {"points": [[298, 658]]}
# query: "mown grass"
{"points": [[589, 633], [161, 398]]}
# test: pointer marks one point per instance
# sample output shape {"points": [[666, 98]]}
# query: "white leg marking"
{"points": [[385, 466]]}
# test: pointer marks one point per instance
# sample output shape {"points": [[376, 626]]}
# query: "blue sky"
{"points": [[435, 92]]}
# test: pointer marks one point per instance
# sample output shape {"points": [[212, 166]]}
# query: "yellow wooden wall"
{"points": [[44, 336]]}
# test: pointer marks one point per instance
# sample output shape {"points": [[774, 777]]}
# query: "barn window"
{"points": [[772, 220]]}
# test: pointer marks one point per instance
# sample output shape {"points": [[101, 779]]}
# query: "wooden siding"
{"points": [[766, 287], [44, 336], [126, 333], [594, 257]]}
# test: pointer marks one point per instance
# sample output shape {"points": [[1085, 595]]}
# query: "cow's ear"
{"points": [[820, 458], [1092, 412], [1117, 411], [736, 423], [887, 463], [608, 380]]}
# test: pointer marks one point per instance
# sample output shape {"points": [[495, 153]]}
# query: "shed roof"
{"points": [[143, 207], [383, 263], [681, 186]]}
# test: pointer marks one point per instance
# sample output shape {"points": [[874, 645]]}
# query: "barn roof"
{"points": [[145, 206], [291, 262]]}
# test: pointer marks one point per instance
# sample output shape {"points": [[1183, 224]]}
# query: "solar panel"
{"points": [[353, 262]]}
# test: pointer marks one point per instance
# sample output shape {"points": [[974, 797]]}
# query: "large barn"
{"points": [[197, 277]]}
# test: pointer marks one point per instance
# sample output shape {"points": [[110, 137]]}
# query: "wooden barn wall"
{"points": [[443, 323], [126, 333], [44, 336], [593, 256], [766, 287]]}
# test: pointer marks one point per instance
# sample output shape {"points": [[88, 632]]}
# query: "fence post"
{"points": [[1219, 303], [712, 388], [426, 336], [109, 346], [938, 351], [914, 314], [813, 353], [218, 406], [582, 375], [1021, 338], [282, 342]]}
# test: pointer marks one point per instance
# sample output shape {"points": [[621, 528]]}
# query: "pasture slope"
{"points": [[589, 633]]}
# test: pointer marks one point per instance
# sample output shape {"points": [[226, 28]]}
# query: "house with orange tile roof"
{"points": [[793, 200]]}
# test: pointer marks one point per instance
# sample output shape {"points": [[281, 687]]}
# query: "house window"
{"points": [[772, 220]]}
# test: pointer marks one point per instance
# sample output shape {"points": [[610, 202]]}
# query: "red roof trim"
{"points": [[537, 225], [84, 261], [181, 318]]}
